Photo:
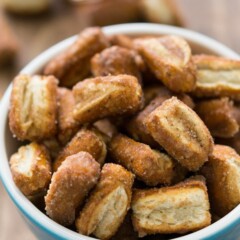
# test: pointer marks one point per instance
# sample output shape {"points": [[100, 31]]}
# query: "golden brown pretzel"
{"points": [[33, 108], [150, 166], [177, 209], [70, 185], [218, 115], [114, 61], [73, 64], [87, 140], [109, 96], [170, 59], [108, 204], [222, 173], [31, 169], [217, 77], [180, 131]]}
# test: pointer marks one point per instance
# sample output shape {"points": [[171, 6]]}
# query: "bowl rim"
{"points": [[35, 215]]}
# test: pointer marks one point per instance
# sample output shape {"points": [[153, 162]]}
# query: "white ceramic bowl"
{"points": [[43, 227]]}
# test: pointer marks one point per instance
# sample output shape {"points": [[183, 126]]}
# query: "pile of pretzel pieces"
{"points": [[140, 135]]}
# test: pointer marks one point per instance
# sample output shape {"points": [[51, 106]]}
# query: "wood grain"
{"points": [[216, 18]]}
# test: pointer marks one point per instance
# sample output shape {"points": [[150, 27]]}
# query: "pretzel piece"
{"points": [[177, 209], [87, 140], [222, 173], [218, 115], [180, 131], [69, 186], [108, 204], [150, 166], [217, 77], [33, 109], [73, 65], [114, 61], [170, 59], [109, 96], [31, 169]]}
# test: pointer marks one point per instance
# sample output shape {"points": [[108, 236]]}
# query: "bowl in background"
{"points": [[42, 226]]}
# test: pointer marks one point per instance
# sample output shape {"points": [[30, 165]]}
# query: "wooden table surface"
{"points": [[216, 18]]}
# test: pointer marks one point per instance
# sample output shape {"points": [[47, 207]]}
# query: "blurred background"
{"points": [[27, 27]]}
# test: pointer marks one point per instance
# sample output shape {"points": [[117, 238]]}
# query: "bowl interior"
{"points": [[9, 144]]}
